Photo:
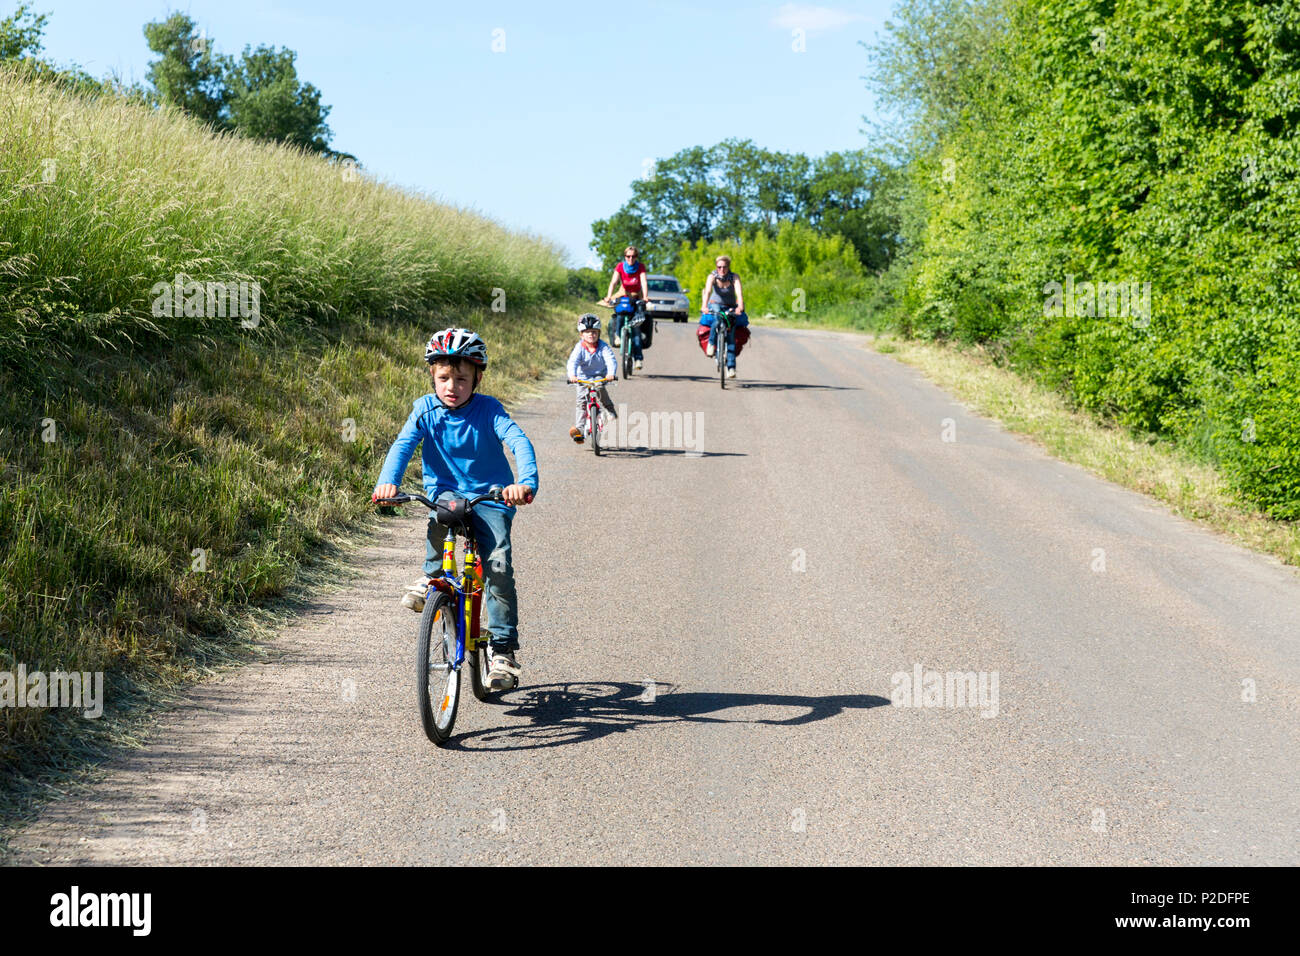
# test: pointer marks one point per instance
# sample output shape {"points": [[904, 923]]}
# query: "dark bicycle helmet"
{"points": [[588, 321], [457, 343]]}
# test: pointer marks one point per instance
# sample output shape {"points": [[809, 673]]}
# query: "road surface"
{"points": [[714, 624]]}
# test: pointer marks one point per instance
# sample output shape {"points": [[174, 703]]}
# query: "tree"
{"points": [[735, 188], [19, 39], [854, 194], [268, 102], [259, 96], [188, 74], [624, 228]]}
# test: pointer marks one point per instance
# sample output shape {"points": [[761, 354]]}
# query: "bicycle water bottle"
{"points": [[449, 552]]}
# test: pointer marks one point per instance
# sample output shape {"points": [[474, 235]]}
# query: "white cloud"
{"points": [[810, 19]]}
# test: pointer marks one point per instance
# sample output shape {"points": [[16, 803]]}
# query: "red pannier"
{"points": [[742, 336]]}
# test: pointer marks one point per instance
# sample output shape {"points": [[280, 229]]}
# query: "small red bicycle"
{"points": [[596, 414]]}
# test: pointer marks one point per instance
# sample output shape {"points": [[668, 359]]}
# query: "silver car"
{"points": [[667, 298]]}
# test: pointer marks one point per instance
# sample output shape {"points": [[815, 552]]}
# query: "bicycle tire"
{"points": [[627, 353], [431, 649], [480, 663], [596, 417], [720, 350]]}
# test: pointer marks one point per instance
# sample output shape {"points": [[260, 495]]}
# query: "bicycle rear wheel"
{"points": [[437, 681], [480, 662]]}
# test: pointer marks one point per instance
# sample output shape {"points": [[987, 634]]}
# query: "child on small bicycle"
{"points": [[461, 433], [591, 359]]}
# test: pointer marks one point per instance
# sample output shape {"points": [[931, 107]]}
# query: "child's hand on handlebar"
{"points": [[517, 495], [383, 492]]}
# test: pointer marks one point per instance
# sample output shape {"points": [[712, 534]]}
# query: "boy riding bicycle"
{"points": [[590, 359], [461, 433]]}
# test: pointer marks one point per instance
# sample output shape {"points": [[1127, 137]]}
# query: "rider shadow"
{"points": [[642, 451], [682, 378], [782, 386], [578, 713]]}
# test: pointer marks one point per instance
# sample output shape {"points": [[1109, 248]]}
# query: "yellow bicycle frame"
{"points": [[469, 582]]}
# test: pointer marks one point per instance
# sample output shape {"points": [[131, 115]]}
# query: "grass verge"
{"points": [[1190, 488], [160, 508]]}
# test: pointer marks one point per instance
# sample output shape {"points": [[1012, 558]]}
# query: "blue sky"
{"points": [[547, 134]]}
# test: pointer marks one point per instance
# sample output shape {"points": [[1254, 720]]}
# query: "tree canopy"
{"points": [[258, 95], [735, 188], [1094, 146]]}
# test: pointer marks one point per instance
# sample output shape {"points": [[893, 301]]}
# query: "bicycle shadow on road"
{"points": [[641, 451], [576, 713], [783, 386], [682, 378]]}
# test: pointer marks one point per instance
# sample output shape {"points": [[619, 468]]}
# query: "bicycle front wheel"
{"points": [[436, 678], [597, 419], [627, 352], [720, 351]]}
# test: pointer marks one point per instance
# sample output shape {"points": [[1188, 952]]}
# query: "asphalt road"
{"points": [[710, 644]]}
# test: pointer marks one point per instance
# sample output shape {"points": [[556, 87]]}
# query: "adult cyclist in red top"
{"points": [[630, 274]]}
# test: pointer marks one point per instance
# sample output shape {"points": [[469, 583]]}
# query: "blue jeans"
{"points": [[492, 534], [737, 320]]}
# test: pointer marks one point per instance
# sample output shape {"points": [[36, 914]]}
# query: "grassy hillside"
{"points": [[165, 475], [104, 199]]}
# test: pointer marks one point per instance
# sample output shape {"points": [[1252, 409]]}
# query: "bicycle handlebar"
{"points": [[402, 498], [590, 381]]}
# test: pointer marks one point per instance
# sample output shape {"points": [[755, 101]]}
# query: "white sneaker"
{"points": [[636, 364], [731, 373], [503, 671], [414, 597], [710, 351]]}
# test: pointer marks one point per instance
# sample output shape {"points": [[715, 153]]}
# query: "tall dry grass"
{"points": [[100, 199]]}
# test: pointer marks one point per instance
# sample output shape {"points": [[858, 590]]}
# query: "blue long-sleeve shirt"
{"points": [[461, 450]]}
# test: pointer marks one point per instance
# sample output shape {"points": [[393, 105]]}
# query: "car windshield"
{"points": [[664, 285]]}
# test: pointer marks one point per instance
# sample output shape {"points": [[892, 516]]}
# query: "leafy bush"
{"points": [[795, 271], [1088, 142], [587, 284]]}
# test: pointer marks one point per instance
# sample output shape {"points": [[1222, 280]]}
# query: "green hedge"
{"points": [[793, 271], [1116, 142]]}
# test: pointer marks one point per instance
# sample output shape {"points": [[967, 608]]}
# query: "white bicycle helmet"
{"points": [[457, 343], [587, 321]]}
